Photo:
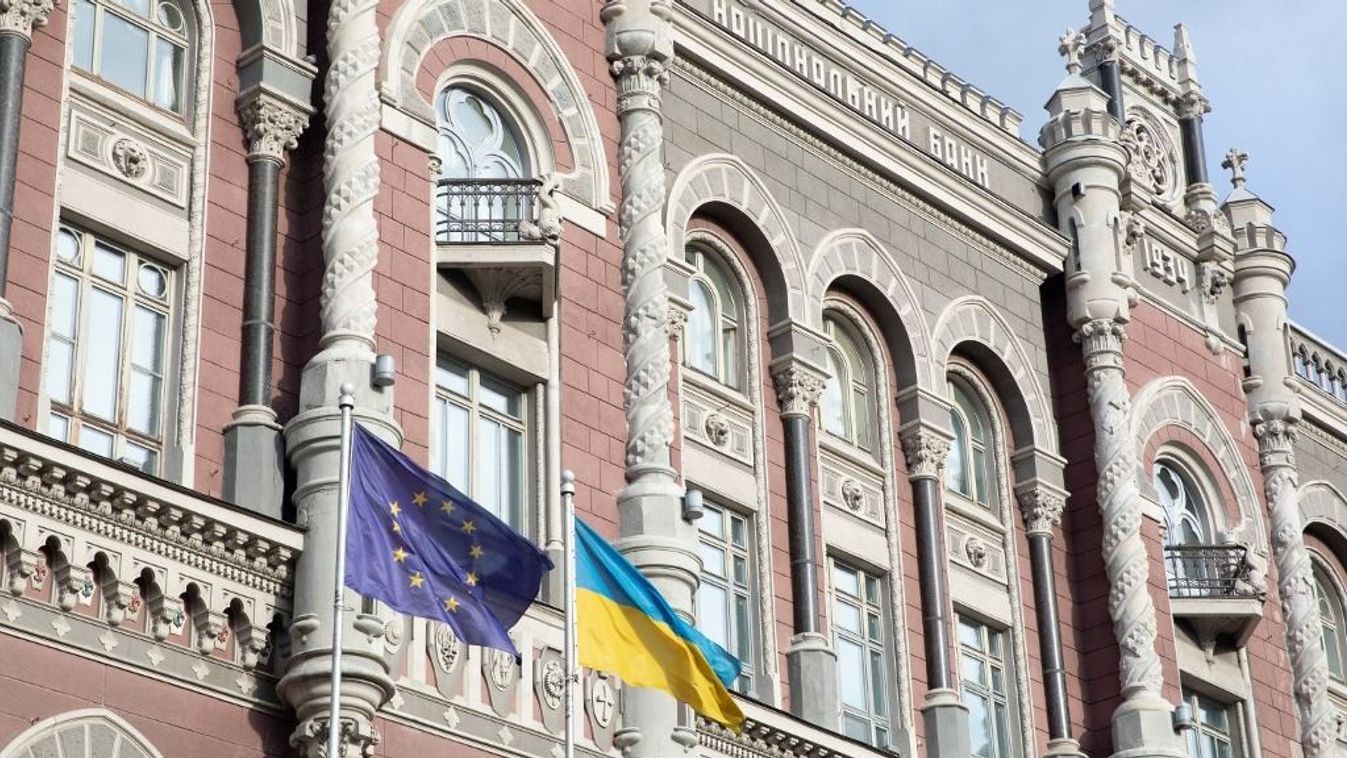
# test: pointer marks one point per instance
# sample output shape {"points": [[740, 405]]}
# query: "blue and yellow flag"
{"points": [[626, 627], [426, 549]]}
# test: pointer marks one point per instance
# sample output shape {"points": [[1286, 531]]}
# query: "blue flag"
{"points": [[426, 549]]}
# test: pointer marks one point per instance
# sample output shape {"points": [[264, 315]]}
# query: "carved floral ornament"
{"points": [[1153, 161], [22, 16], [130, 157], [926, 451], [272, 127], [797, 390], [1042, 509]]}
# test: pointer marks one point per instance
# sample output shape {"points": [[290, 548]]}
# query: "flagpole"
{"points": [[346, 402], [572, 672]]}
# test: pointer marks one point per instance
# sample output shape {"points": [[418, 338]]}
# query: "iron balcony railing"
{"points": [[1209, 571], [486, 211]]}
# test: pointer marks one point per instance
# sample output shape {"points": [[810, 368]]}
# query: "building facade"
{"points": [[968, 441]]}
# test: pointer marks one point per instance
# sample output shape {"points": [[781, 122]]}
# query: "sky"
{"points": [[1271, 69]]}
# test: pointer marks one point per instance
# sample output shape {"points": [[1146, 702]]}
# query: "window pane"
{"points": [[862, 405], [743, 629], [95, 441], [138, 7], [1002, 733], [126, 52], [729, 338], [143, 406], [109, 264], [856, 728], [845, 580], [711, 613], [982, 471], [979, 725], [712, 522], [877, 683], [452, 376], [103, 349], [956, 474], [970, 633], [713, 560], [499, 398], [834, 399], [848, 618], [701, 330], [168, 59], [740, 571], [489, 462], [58, 427], [456, 445], [83, 35], [147, 344], [514, 483], [851, 674], [973, 671], [738, 531], [142, 458]]}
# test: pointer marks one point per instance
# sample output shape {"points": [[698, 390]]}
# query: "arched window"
{"points": [[140, 46], [848, 395], [1332, 622], [713, 333], [970, 469], [476, 140], [486, 188], [1185, 508]]}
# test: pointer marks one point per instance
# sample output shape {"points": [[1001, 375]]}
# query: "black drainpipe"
{"points": [[799, 501], [259, 285], [1194, 149], [1110, 80], [1050, 635]]}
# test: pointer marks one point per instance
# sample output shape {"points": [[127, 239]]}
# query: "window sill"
{"points": [[978, 514], [163, 123], [706, 384]]}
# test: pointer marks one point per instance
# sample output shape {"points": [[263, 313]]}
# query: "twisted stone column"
{"points": [[654, 536], [350, 237], [1295, 585]]}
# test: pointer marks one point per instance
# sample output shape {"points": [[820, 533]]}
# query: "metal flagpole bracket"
{"points": [[572, 670], [335, 731]]}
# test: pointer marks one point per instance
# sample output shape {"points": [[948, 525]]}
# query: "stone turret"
{"points": [[1087, 165], [1263, 269]]}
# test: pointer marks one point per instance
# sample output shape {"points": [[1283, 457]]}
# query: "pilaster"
{"points": [[654, 535]]}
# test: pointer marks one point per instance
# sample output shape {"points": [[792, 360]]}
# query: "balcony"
{"points": [[504, 234], [1214, 589]]}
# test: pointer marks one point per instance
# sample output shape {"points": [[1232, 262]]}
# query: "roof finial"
{"points": [[1071, 45], [1236, 160]]}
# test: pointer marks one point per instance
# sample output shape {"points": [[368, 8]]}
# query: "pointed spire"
{"points": [[1235, 161], [1071, 45], [1101, 13]]}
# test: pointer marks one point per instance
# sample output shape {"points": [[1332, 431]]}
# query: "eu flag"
{"points": [[424, 548]]}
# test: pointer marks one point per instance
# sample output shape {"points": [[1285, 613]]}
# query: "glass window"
{"points": [[1185, 509], [478, 433], [107, 349], [724, 600], [476, 140], [1214, 735], [1331, 621], [860, 639], [713, 331], [137, 45], [983, 677], [970, 469], [848, 395]]}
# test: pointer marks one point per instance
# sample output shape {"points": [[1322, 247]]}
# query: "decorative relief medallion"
{"points": [[853, 495], [554, 683], [976, 552], [717, 429], [502, 670], [602, 702], [1153, 161], [130, 157], [448, 648]]}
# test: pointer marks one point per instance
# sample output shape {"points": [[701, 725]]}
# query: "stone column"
{"points": [[1262, 271], [1042, 509], [254, 475], [811, 660], [18, 18], [1086, 164], [350, 238], [654, 536], [946, 717]]}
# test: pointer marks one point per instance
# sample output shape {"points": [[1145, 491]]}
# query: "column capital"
{"points": [[798, 387], [272, 125], [23, 16], [1042, 507], [1276, 441], [926, 448]]}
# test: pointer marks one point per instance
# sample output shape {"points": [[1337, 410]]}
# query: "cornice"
{"points": [[1048, 239], [72, 488]]}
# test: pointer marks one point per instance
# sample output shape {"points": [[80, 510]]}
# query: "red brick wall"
{"points": [[38, 682]]}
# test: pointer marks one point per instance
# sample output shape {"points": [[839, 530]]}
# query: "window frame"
{"points": [[1195, 482], [186, 40], [71, 410], [524, 425], [1232, 735], [511, 127], [745, 592], [987, 498], [1328, 590], [729, 353], [873, 585], [859, 416], [1003, 740]]}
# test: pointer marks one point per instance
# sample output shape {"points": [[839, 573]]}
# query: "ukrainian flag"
{"points": [[627, 628]]}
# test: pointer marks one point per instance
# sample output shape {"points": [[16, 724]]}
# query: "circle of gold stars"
{"points": [[417, 580]]}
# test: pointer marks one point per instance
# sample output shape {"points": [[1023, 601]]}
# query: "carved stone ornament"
{"points": [[853, 496], [448, 648], [358, 738], [272, 127], [1153, 162], [22, 16], [717, 429], [1203, 220], [1214, 280], [797, 390], [130, 157], [926, 451], [553, 683], [497, 286], [676, 321], [976, 551], [548, 226], [501, 669], [1042, 510], [602, 702]]}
